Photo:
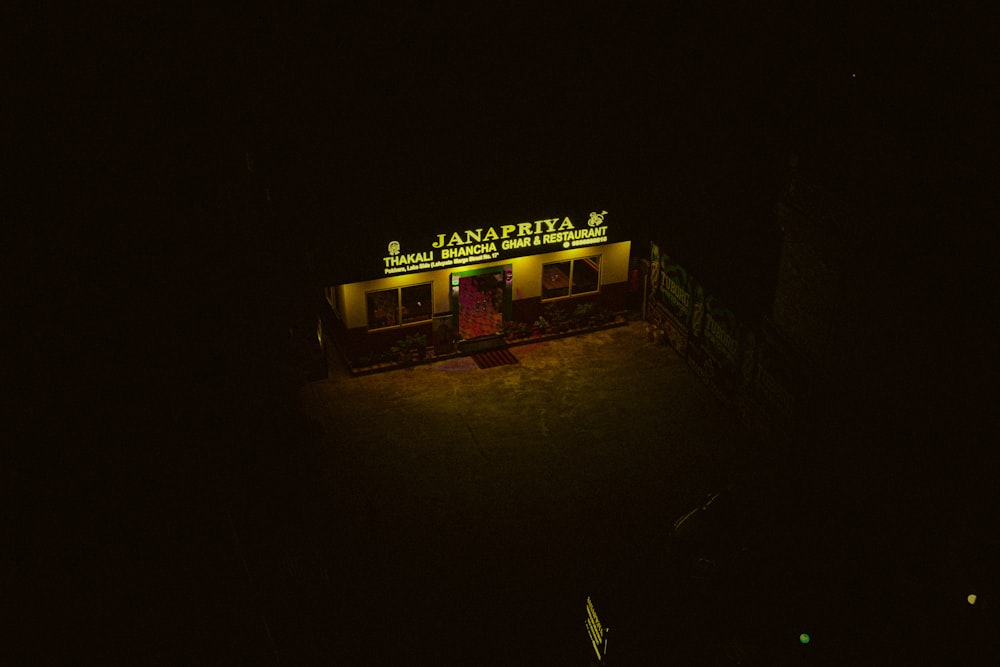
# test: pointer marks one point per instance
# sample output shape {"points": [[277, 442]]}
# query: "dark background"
{"points": [[157, 276]]}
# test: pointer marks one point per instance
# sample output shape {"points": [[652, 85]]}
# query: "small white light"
{"points": [[971, 598], [853, 75]]}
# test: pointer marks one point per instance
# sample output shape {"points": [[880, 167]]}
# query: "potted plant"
{"points": [[557, 318], [516, 330], [412, 347], [420, 346], [510, 330], [584, 315]]}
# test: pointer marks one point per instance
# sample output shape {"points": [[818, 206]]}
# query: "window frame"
{"points": [[399, 307], [570, 292]]}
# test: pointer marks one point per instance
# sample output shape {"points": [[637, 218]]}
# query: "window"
{"points": [[416, 303], [383, 308], [578, 276], [398, 306], [586, 274], [555, 280]]}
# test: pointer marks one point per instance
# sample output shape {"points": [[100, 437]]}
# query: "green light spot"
{"points": [[804, 638]]}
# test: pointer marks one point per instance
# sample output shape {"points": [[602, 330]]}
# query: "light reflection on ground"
{"points": [[457, 364]]}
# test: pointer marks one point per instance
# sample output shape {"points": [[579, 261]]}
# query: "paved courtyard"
{"points": [[474, 510], [450, 515]]}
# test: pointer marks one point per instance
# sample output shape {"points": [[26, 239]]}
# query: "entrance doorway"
{"points": [[483, 299]]}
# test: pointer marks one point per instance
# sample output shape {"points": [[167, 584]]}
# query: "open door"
{"points": [[482, 303]]}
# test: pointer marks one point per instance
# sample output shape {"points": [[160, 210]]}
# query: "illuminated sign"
{"points": [[456, 248]]}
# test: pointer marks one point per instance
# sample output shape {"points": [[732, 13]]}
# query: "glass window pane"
{"points": [[416, 303], [586, 274], [383, 308], [555, 280]]}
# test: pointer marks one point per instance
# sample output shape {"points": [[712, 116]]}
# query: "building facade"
{"points": [[468, 284]]}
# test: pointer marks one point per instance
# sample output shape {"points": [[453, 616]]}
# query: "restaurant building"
{"points": [[468, 284]]}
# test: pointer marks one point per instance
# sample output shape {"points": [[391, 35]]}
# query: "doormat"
{"points": [[491, 358], [482, 343]]}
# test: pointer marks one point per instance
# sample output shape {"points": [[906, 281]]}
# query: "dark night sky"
{"points": [[680, 119]]}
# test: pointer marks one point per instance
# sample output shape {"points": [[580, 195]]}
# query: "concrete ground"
{"points": [[448, 515], [475, 510]]}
